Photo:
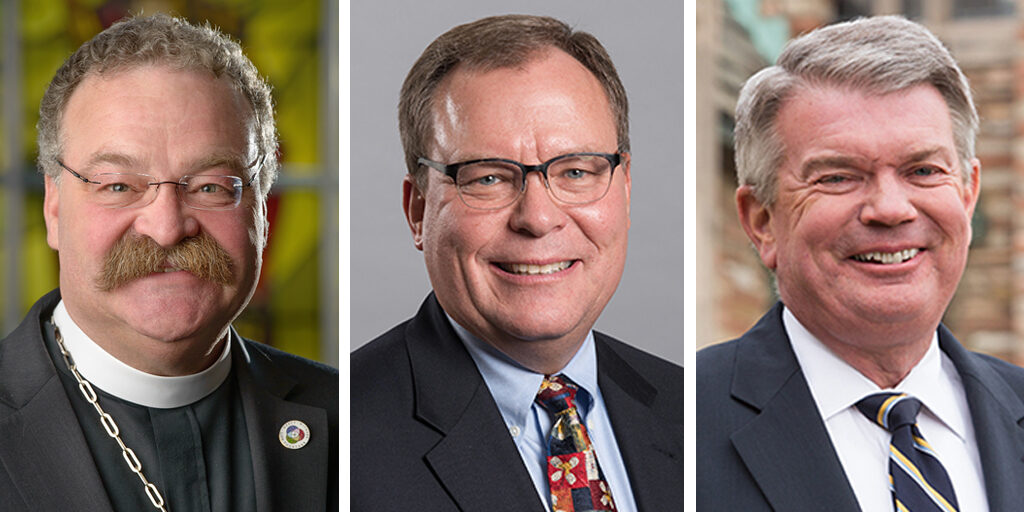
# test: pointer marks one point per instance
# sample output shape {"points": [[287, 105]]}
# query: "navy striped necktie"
{"points": [[917, 479]]}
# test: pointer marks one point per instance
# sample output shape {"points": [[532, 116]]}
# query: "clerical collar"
{"points": [[111, 375]]}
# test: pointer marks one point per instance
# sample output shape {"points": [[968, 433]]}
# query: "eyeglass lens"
{"points": [[576, 179], [209, 192]]}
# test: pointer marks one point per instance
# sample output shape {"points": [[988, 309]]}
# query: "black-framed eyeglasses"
{"points": [[494, 183], [135, 190]]}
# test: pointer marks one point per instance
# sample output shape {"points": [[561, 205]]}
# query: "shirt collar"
{"points": [[836, 386], [514, 387], [108, 373]]}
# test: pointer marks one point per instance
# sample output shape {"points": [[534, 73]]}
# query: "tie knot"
{"points": [[890, 410], [557, 393]]}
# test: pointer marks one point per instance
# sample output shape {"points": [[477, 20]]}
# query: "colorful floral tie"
{"points": [[918, 481], [574, 477]]}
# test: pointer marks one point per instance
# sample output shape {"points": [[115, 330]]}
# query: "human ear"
{"points": [[756, 218], [413, 204], [51, 209], [971, 193], [629, 184]]}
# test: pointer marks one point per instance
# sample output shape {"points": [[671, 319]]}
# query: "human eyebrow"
{"points": [[119, 160], [928, 154], [233, 161], [827, 162]]}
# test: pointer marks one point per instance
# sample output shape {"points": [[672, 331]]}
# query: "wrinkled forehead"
{"points": [[154, 104], [803, 90], [157, 79]]}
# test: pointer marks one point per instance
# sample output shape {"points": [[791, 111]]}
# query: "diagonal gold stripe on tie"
{"points": [[921, 442], [884, 409], [915, 473], [917, 480]]}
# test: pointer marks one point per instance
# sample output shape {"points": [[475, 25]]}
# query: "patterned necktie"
{"points": [[574, 477], [916, 477]]}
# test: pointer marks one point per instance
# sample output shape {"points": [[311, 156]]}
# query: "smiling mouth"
{"points": [[887, 258], [525, 269]]}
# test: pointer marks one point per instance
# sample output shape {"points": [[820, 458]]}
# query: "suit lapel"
{"points": [[998, 417], [773, 445], [476, 460], [42, 433], [282, 476], [479, 465], [41, 437], [652, 457]]}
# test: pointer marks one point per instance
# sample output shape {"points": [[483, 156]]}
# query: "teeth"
{"points": [[170, 269], [887, 258], [533, 270]]}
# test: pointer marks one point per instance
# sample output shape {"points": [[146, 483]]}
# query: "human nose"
{"points": [[889, 203], [535, 212], [166, 219]]}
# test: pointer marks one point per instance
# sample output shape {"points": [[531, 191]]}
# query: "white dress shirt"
{"points": [[514, 389], [863, 446]]}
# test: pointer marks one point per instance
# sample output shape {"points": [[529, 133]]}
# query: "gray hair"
{"points": [[493, 43], [158, 39], [879, 55]]}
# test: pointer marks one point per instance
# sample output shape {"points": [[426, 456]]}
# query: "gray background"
{"points": [[388, 276]]}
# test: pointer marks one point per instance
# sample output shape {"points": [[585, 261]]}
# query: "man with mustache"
{"points": [[498, 395], [858, 179], [127, 389]]}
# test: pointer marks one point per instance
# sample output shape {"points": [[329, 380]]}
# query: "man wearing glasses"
{"points": [[497, 395], [127, 389]]}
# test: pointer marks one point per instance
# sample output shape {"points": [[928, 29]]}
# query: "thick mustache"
{"points": [[135, 256]]}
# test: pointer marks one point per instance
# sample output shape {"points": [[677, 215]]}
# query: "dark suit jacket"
{"points": [[45, 463], [427, 435], [761, 444]]}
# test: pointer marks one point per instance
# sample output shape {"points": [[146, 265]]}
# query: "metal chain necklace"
{"points": [[108, 423]]}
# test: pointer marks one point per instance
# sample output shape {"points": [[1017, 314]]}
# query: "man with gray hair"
{"points": [[855, 158], [498, 396], [127, 389]]}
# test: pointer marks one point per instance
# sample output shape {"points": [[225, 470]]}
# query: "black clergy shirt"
{"points": [[197, 455]]}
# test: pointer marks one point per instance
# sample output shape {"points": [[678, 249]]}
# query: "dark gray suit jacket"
{"points": [[45, 463], [427, 435], [761, 444]]}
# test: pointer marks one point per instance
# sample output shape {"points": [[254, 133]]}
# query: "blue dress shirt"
{"points": [[514, 389]]}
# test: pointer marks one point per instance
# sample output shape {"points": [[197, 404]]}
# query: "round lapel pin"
{"points": [[293, 435]]}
